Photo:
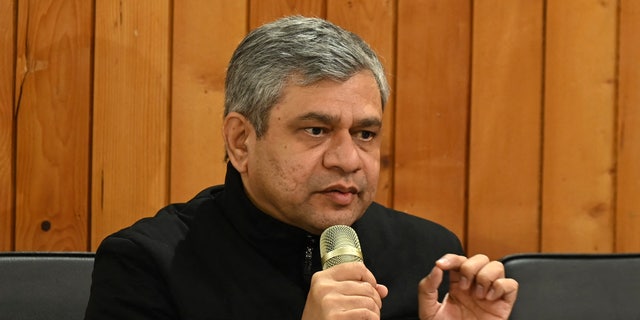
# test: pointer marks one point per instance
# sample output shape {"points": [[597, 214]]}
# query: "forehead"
{"points": [[358, 96]]}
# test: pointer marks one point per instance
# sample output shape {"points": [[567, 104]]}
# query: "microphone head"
{"points": [[339, 244]]}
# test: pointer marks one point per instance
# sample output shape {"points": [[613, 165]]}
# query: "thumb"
{"points": [[383, 291], [428, 294]]}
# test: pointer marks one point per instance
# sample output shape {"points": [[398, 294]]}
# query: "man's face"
{"points": [[318, 163]]}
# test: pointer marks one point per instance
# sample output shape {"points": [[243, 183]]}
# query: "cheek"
{"points": [[372, 172], [280, 169], [287, 175], [371, 162]]}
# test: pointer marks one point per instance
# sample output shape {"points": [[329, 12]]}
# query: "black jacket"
{"points": [[219, 257]]}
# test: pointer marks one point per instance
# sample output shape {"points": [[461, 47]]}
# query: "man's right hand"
{"points": [[344, 291]]}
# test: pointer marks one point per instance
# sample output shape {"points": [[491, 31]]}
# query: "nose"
{"points": [[342, 154]]}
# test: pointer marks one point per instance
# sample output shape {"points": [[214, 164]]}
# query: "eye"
{"points": [[315, 131], [366, 135]]}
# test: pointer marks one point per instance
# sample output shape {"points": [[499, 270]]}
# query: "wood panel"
{"points": [[374, 21], [153, 73], [52, 106], [7, 78], [433, 53], [628, 141], [579, 126], [131, 110], [205, 33], [263, 11], [504, 159]]}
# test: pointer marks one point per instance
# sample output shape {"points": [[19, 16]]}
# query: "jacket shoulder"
{"points": [[410, 229], [161, 233]]}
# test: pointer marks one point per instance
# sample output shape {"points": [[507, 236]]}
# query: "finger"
{"points": [[463, 269], [346, 296], [354, 279], [352, 271], [357, 314], [355, 271], [428, 286], [362, 290], [428, 293], [451, 261], [485, 277], [503, 288], [343, 303], [383, 291], [328, 296]]}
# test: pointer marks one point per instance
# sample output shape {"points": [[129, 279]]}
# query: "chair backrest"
{"points": [[575, 286], [38, 285]]}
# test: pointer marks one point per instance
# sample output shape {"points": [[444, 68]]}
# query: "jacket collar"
{"points": [[285, 246]]}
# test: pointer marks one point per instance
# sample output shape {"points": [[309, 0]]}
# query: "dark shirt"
{"points": [[219, 257]]}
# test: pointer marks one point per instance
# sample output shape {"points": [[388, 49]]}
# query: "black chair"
{"points": [[575, 286], [39, 285]]}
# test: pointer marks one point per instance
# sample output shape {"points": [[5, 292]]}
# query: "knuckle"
{"points": [[370, 291], [482, 257], [365, 314]]}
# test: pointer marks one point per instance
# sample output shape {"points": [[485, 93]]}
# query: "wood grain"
{"points": [[628, 139], [7, 81], [263, 11], [578, 162], [506, 100], [374, 21], [131, 114], [205, 33], [432, 103], [53, 107]]}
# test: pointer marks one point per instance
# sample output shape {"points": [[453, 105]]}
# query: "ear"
{"points": [[236, 131]]}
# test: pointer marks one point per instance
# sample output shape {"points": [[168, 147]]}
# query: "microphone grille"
{"points": [[339, 244]]}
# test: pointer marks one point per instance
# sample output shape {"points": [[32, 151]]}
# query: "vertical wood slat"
{"points": [[628, 140], [53, 107], [205, 34], [374, 21], [263, 11], [432, 85], [131, 110], [579, 125], [7, 80], [505, 127]]}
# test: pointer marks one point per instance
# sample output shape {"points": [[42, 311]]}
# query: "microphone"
{"points": [[339, 244]]}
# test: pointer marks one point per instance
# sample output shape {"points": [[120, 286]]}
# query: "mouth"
{"points": [[342, 189], [341, 195]]}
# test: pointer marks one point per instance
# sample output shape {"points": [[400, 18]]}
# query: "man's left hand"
{"points": [[478, 290]]}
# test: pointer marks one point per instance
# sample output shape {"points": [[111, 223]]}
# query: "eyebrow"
{"points": [[330, 119]]}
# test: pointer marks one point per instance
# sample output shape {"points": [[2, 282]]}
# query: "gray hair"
{"points": [[301, 48]]}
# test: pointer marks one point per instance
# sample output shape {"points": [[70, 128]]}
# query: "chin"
{"points": [[322, 219], [343, 220]]}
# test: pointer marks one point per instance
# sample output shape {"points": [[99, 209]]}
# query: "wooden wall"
{"points": [[514, 123]]}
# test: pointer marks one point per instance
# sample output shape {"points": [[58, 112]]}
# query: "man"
{"points": [[303, 115]]}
